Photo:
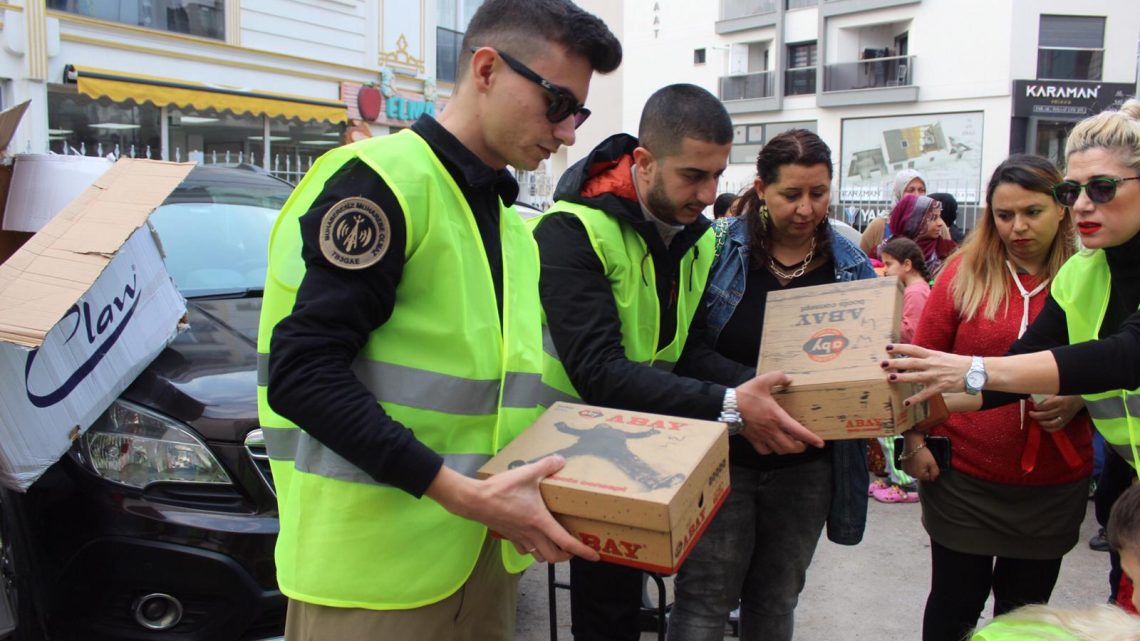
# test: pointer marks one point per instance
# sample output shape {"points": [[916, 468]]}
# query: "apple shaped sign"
{"points": [[368, 102]]}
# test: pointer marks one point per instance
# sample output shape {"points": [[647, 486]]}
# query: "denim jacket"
{"points": [[848, 515]]}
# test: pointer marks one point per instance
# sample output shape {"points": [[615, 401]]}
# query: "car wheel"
{"points": [[18, 618]]}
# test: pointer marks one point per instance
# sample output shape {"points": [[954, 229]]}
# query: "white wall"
{"points": [[1122, 28], [339, 32]]}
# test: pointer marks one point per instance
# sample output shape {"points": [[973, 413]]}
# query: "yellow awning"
{"points": [[120, 87]]}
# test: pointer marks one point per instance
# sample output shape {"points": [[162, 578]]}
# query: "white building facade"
{"points": [[947, 87], [268, 82]]}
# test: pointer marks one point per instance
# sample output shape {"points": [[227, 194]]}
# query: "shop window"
{"points": [[203, 18], [294, 146], [80, 125], [1070, 48], [699, 56]]}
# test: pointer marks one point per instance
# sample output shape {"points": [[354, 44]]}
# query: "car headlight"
{"points": [[134, 446]]}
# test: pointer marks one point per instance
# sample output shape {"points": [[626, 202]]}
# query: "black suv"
{"points": [[160, 523]]}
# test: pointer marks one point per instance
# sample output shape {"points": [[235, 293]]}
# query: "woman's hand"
{"points": [[940, 372], [922, 466], [1055, 412], [920, 461]]}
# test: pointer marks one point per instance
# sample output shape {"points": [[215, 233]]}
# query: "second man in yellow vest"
{"points": [[625, 255]]}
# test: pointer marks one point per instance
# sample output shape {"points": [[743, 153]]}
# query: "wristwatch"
{"points": [[729, 414], [976, 376]]}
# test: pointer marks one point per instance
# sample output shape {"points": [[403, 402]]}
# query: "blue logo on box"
{"points": [[101, 330]]}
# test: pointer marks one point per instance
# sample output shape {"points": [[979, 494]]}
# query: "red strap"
{"points": [[1068, 452], [1032, 447]]}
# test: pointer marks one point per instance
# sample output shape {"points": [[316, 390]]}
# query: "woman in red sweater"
{"points": [[1013, 503]]}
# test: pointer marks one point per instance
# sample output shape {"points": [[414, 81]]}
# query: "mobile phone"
{"points": [[939, 446]]}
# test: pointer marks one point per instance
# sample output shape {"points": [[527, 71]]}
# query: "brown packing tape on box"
{"points": [[639, 488]]}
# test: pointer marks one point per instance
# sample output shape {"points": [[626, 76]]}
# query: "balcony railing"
{"points": [[873, 73], [799, 81], [747, 86], [730, 9]]}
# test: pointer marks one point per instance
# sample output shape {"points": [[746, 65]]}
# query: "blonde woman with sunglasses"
{"points": [[1087, 338]]}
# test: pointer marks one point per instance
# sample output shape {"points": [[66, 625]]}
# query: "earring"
{"points": [[764, 216]]}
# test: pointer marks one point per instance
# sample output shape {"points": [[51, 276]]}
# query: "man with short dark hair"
{"points": [[401, 347], [625, 256]]}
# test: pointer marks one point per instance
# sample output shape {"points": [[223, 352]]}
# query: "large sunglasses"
{"points": [[563, 103], [1100, 190]]}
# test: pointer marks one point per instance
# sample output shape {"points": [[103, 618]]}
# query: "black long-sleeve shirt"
{"points": [[586, 329], [312, 349], [1113, 362]]}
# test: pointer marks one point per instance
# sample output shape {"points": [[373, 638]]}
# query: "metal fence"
{"points": [[288, 167], [859, 205]]}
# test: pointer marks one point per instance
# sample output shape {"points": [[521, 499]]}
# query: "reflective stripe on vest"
{"points": [[428, 390], [444, 365], [310, 455], [631, 272], [1081, 288]]}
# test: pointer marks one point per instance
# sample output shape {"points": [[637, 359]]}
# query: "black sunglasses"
{"points": [[1100, 190], [563, 103]]}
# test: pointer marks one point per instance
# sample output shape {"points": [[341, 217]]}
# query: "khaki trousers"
{"points": [[483, 609]]}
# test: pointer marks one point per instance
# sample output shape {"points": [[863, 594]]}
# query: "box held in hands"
{"points": [[831, 340], [638, 488]]}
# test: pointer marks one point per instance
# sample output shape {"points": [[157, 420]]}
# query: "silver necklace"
{"points": [[799, 270]]}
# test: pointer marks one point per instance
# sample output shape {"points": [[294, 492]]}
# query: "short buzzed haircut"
{"points": [[1124, 523], [682, 111], [525, 28]]}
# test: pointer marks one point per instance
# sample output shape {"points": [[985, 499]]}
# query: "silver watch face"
{"points": [[975, 380]]}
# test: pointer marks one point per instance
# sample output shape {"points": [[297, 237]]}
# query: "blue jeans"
{"points": [[756, 552]]}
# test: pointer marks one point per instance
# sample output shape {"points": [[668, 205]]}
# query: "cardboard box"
{"points": [[85, 305], [831, 340], [638, 488], [42, 185]]}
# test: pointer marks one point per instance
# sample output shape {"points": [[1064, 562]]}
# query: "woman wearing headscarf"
{"points": [[907, 181], [919, 218]]}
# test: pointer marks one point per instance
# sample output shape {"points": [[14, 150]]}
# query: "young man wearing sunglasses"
{"points": [[401, 342], [625, 256]]}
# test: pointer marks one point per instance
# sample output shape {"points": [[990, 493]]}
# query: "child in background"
{"points": [[1098, 623], [902, 258]]}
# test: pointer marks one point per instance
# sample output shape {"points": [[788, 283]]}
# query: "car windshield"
{"points": [[218, 247]]}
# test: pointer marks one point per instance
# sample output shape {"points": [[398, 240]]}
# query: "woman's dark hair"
{"points": [[723, 203], [793, 147], [903, 249]]}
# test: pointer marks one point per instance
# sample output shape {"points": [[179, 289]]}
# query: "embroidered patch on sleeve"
{"points": [[355, 233]]}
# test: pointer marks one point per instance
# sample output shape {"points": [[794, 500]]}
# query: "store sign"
{"points": [[1067, 99], [368, 103]]}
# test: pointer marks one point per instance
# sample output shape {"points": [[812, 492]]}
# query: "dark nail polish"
{"points": [[890, 348], [884, 364], [893, 377], [906, 403]]}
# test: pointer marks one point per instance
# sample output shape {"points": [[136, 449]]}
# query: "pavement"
{"points": [[875, 591]]}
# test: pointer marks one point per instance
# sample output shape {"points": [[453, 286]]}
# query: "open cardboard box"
{"points": [[831, 340], [638, 488], [85, 304]]}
